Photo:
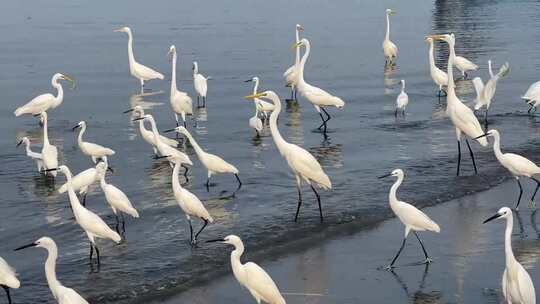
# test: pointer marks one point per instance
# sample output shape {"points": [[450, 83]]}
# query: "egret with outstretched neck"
{"points": [[390, 50], [62, 294], [37, 157], [201, 84], [303, 165], [517, 285], [262, 106], [181, 103], [8, 278], [82, 181], [290, 74], [95, 151], [439, 77], [48, 152]]}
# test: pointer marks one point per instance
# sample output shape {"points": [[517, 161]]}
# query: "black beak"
{"points": [[26, 246], [216, 240], [496, 216], [49, 170], [110, 169], [136, 119], [386, 175], [249, 80], [163, 156], [170, 130], [483, 135], [37, 115], [74, 128], [20, 142], [127, 111]]}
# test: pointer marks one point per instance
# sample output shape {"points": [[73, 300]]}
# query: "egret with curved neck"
{"points": [[390, 50], [181, 103], [37, 157], [262, 106], [439, 77], [93, 150], [48, 152]]}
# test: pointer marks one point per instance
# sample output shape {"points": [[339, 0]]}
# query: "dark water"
{"points": [[233, 41]]}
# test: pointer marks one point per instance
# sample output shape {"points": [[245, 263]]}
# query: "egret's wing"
{"points": [[148, 72], [97, 148], [522, 164], [69, 296], [37, 105], [526, 286], [414, 217], [113, 193], [504, 285], [84, 178], [306, 165], [478, 85], [8, 276], [200, 84], [467, 122], [194, 205], [258, 280], [220, 164], [95, 225]]}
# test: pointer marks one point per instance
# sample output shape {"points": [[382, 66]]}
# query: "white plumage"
{"points": [[464, 65], [37, 157], [402, 100], [439, 77], [291, 74], [148, 135], [390, 50], [181, 103], [117, 199], [532, 96], [485, 93], [256, 123], [95, 151], [82, 181], [200, 83], [49, 152], [8, 278], [262, 106]]}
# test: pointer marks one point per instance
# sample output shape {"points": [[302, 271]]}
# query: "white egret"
{"points": [[117, 199], [517, 285], [485, 93], [250, 275], [48, 152], [213, 163], [317, 96], [461, 116], [8, 278], [463, 64], [47, 101], [147, 135], [62, 294], [256, 123], [82, 181], [389, 48], [90, 222], [200, 83], [262, 106], [518, 165], [37, 157], [190, 204], [413, 219], [172, 154], [402, 100], [439, 77], [532, 96], [95, 151], [290, 74], [137, 70], [181, 103], [302, 163]]}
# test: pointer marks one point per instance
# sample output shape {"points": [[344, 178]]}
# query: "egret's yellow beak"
{"points": [[118, 30], [296, 45], [65, 77], [392, 12], [435, 37], [249, 97]]}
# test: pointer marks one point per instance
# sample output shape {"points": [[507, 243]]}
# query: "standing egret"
{"points": [[518, 165], [389, 48], [517, 285], [262, 106], [213, 163], [302, 163], [95, 151], [463, 64], [200, 83], [485, 93], [461, 116], [439, 77], [47, 101], [147, 135], [172, 154], [82, 181], [290, 74], [137, 70], [190, 204], [62, 294], [90, 222], [250, 275], [532, 96], [318, 97], [181, 103], [37, 157], [402, 100], [256, 123], [48, 151], [117, 199], [8, 278], [413, 219]]}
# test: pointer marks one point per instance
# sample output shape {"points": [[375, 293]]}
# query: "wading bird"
{"points": [[213, 163], [413, 219], [47, 101], [137, 70], [485, 93], [256, 123], [90, 222], [8, 278], [402, 100], [263, 107], [461, 116], [518, 165], [200, 83], [463, 64], [517, 286], [318, 97], [389, 48], [181, 103], [439, 77], [37, 157], [95, 151], [48, 151], [532, 96], [82, 181], [290, 74], [62, 294], [302, 163], [250, 275]]}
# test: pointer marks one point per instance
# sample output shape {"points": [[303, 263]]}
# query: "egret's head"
{"points": [[124, 29], [448, 38], [504, 212], [390, 11], [195, 66], [24, 140], [172, 50], [63, 169], [179, 129], [44, 242], [230, 239], [81, 124], [429, 39], [145, 117], [395, 173], [137, 110], [254, 79], [491, 133], [299, 27]]}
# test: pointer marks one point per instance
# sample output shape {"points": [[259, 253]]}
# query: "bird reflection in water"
{"points": [[294, 130], [141, 100], [419, 296], [328, 154], [389, 79]]}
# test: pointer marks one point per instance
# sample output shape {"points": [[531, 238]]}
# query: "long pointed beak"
{"points": [[74, 128], [163, 156], [169, 130], [110, 169], [483, 135], [52, 169], [296, 45], [20, 142], [496, 216], [117, 30], [386, 175], [136, 119], [253, 96], [127, 111], [37, 115], [65, 77], [435, 37], [25, 246], [249, 80], [216, 240]]}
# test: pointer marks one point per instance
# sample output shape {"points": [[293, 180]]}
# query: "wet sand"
{"points": [[468, 260]]}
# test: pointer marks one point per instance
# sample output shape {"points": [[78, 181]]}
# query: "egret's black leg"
{"points": [[97, 254], [198, 106], [123, 224], [239, 181], [485, 118], [190, 232], [91, 251], [208, 183], [185, 125], [535, 190], [465, 76], [323, 121], [459, 156], [204, 101], [202, 228], [186, 171], [520, 193], [472, 156], [428, 260], [6, 289], [84, 200], [299, 203], [318, 201], [395, 113], [117, 228], [397, 254]]}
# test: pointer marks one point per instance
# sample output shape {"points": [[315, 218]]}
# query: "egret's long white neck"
{"points": [[431, 56], [278, 139], [300, 71], [256, 87], [176, 171], [200, 152], [509, 253], [102, 180], [155, 131], [131, 57], [392, 197], [50, 270], [297, 56], [497, 147], [45, 131], [27, 144], [490, 69], [387, 37], [60, 93], [73, 199], [451, 90], [235, 259], [81, 133], [141, 123], [173, 78], [402, 86]]}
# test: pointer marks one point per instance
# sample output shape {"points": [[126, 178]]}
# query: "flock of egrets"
{"points": [[517, 285]]}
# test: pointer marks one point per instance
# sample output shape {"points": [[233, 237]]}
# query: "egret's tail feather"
{"points": [[114, 236], [19, 111], [133, 212], [434, 227], [504, 70], [323, 181]]}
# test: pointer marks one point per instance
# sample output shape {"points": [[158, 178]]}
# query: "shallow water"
{"points": [[232, 42]]}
